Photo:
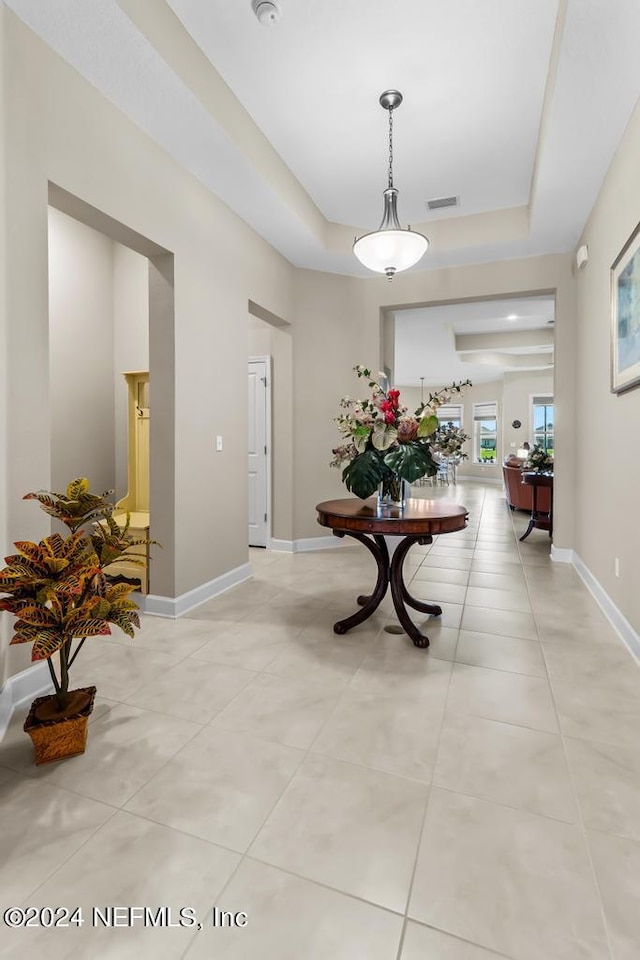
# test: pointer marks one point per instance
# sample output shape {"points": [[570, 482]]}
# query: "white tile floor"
{"points": [[355, 796]]}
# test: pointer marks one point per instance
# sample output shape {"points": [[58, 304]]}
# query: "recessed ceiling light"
{"points": [[512, 316]]}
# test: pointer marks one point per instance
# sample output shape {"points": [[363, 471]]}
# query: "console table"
{"points": [[418, 522], [540, 519]]}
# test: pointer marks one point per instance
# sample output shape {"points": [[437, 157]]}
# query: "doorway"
{"points": [[111, 310]]}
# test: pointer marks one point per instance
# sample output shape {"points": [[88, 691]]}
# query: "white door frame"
{"points": [[267, 361]]}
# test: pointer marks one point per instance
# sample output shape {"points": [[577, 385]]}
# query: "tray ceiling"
{"points": [[517, 107]]}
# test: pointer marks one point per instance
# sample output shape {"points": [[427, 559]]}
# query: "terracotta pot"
{"points": [[59, 739]]}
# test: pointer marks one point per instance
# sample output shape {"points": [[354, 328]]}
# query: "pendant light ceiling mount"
{"points": [[390, 249], [390, 99]]}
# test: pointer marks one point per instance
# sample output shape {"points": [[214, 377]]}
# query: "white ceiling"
{"points": [[312, 83], [513, 105], [425, 340]]}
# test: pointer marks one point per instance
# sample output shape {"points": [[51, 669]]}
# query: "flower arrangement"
{"points": [[538, 461], [384, 443], [449, 439]]}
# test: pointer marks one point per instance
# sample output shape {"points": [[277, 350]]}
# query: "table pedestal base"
{"points": [[389, 575]]}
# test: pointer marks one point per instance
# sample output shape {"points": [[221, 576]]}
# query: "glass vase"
{"points": [[391, 492]]}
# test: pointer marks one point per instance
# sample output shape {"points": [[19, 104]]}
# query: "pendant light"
{"points": [[390, 249]]}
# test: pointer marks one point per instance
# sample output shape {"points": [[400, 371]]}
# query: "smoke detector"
{"points": [[267, 11]]}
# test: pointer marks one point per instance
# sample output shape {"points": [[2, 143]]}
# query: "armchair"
{"points": [[519, 495]]}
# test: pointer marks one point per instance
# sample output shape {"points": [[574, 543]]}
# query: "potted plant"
{"points": [[385, 444], [538, 461], [60, 594]]}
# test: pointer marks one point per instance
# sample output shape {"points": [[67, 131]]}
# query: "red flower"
{"points": [[389, 417]]}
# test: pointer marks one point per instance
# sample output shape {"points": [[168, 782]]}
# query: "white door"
{"points": [[258, 456]]}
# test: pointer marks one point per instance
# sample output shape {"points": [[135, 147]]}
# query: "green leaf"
{"points": [[427, 426], [363, 474], [360, 437], [384, 435], [411, 461]]}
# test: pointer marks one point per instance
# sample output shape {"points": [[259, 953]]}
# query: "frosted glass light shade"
{"points": [[390, 251]]}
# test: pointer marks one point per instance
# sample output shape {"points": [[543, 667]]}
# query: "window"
{"points": [[450, 413], [485, 432], [543, 417]]}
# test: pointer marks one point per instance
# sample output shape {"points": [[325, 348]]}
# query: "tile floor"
{"points": [[356, 797]]}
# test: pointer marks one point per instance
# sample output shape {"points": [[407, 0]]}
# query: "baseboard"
{"points": [[283, 546], [626, 631], [21, 689], [469, 476], [306, 544], [174, 607], [562, 554]]}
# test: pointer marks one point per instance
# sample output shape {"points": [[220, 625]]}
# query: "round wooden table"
{"points": [[418, 522]]}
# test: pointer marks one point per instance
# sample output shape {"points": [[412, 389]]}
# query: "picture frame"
{"points": [[625, 316]]}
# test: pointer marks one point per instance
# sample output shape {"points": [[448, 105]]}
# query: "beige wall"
{"points": [[513, 395], [81, 353], [130, 342], [330, 338], [338, 324], [477, 393], [608, 426], [519, 388], [5, 620], [58, 128]]}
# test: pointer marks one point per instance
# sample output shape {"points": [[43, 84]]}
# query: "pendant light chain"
{"points": [[390, 249], [391, 146]]}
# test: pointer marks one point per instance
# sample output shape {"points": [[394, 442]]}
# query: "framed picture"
{"points": [[625, 316]]}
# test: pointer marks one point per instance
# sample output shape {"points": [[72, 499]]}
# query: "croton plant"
{"points": [[58, 589]]}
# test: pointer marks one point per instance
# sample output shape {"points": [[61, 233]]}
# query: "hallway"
{"points": [[356, 797]]}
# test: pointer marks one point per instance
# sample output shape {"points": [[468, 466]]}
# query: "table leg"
{"points": [[366, 598], [401, 595], [534, 511], [378, 548], [431, 608], [421, 605], [532, 524]]}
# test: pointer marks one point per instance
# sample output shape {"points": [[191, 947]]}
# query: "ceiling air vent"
{"points": [[439, 202]]}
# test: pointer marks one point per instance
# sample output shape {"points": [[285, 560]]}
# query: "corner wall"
{"points": [[339, 324], [5, 619], [608, 426], [81, 353], [57, 128], [130, 344]]}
